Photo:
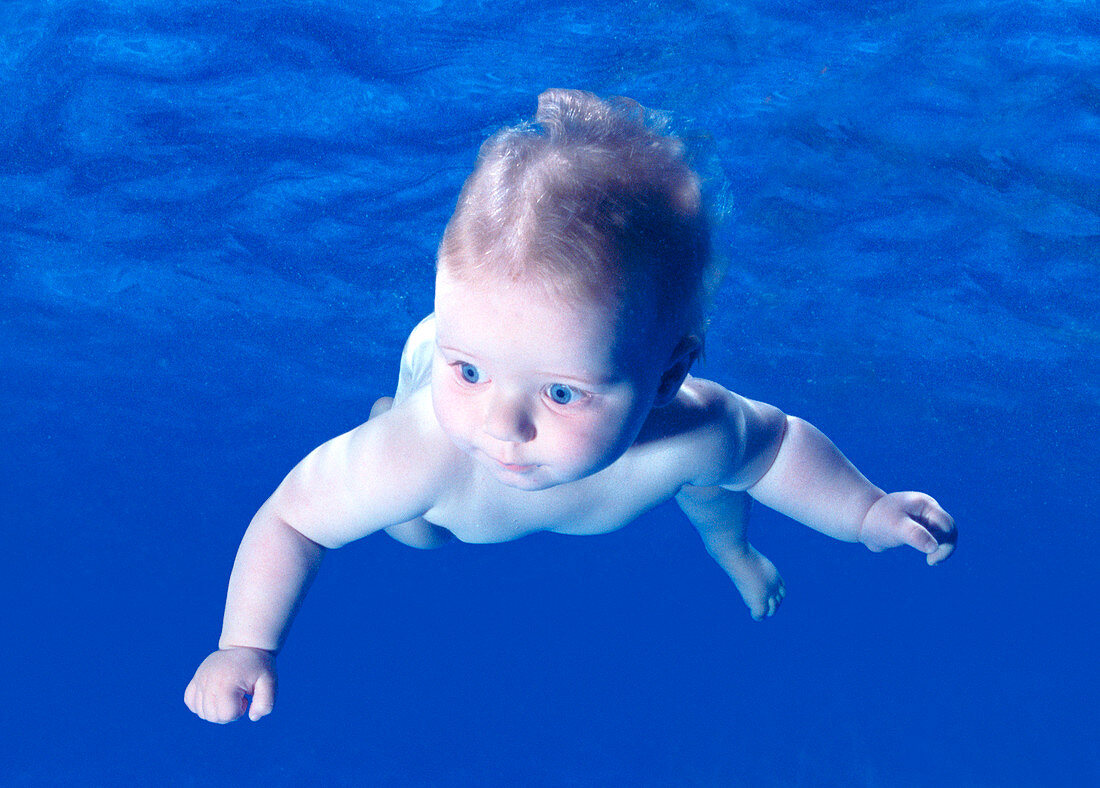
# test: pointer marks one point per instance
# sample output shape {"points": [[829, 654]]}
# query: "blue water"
{"points": [[217, 224]]}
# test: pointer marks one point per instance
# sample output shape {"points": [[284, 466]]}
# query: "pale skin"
{"points": [[544, 414]]}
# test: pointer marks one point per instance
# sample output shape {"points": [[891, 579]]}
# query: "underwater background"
{"points": [[217, 226]]}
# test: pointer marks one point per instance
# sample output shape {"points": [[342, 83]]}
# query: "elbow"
{"points": [[779, 427]]}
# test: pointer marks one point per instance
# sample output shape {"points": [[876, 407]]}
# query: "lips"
{"points": [[512, 467], [516, 468]]}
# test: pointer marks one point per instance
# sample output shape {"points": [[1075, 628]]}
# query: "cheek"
{"points": [[591, 440], [616, 431], [451, 411]]}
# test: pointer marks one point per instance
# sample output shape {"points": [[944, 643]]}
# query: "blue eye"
{"points": [[560, 393], [469, 373]]}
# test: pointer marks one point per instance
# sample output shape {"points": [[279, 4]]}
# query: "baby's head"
{"points": [[594, 202], [570, 292]]}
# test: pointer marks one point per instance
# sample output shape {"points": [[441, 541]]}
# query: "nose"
{"points": [[507, 419]]}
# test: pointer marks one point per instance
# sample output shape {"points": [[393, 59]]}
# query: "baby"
{"points": [[549, 391]]}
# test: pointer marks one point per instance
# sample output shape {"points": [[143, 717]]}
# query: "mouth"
{"points": [[511, 467]]}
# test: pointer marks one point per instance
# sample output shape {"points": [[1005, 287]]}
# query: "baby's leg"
{"points": [[721, 517], [419, 532]]}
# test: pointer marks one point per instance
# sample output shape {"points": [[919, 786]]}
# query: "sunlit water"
{"points": [[217, 224]]}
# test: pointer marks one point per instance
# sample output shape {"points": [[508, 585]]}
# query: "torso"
{"points": [[673, 449]]}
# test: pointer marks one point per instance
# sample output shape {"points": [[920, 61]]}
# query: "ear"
{"points": [[679, 363]]}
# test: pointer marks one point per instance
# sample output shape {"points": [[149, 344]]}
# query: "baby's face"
{"points": [[538, 390]]}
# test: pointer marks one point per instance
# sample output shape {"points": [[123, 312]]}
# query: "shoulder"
{"points": [[701, 406], [385, 471], [727, 436]]}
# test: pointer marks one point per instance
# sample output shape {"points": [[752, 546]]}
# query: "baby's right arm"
{"points": [[273, 570], [360, 482]]}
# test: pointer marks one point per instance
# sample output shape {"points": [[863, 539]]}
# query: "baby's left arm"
{"points": [[812, 482]]}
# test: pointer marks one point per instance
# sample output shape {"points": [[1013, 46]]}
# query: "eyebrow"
{"points": [[554, 376]]}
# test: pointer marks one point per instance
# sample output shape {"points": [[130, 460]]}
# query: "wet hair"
{"points": [[592, 199]]}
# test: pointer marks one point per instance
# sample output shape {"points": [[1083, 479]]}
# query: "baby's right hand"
{"points": [[219, 690]]}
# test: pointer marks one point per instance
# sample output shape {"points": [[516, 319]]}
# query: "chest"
{"points": [[482, 510]]}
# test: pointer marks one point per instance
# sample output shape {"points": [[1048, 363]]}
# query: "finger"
{"points": [[227, 707], [943, 529], [263, 697], [936, 518], [202, 704], [210, 711], [942, 554], [206, 707], [189, 696], [918, 536]]}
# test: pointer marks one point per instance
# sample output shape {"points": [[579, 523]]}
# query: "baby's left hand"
{"points": [[910, 518]]}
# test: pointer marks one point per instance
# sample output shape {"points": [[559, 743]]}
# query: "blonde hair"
{"points": [[592, 199]]}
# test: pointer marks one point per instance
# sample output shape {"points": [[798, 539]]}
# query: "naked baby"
{"points": [[550, 391]]}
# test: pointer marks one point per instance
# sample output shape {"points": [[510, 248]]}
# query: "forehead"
{"points": [[530, 328]]}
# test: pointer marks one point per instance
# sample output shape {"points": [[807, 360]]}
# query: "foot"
{"points": [[758, 581], [380, 406]]}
